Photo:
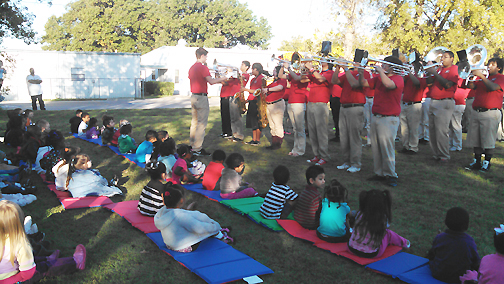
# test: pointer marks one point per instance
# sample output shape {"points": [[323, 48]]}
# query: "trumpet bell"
{"points": [[476, 56]]}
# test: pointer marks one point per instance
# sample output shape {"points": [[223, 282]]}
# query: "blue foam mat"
{"points": [[420, 275], [211, 194], [214, 261], [398, 264], [130, 157]]}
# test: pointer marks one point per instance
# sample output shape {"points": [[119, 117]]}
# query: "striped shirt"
{"points": [[307, 205], [150, 199], [275, 199]]}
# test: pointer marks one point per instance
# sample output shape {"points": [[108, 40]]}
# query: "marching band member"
{"points": [[234, 107], [318, 112], [368, 112], [386, 109], [487, 113], [423, 130], [275, 109], [351, 117], [296, 107], [335, 105], [441, 108], [411, 112], [253, 112], [199, 76], [456, 119], [228, 89]]}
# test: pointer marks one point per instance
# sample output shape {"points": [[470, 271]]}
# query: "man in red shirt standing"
{"points": [[487, 113], [456, 119], [386, 109], [351, 118], [441, 92], [411, 112], [318, 112], [234, 107], [199, 76]]}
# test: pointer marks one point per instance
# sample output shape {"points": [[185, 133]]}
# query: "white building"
{"points": [[172, 63], [73, 75]]}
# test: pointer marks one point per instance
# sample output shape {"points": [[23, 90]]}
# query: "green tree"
{"points": [[458, 24], [16, 21], [313, 45], [140, 26]]}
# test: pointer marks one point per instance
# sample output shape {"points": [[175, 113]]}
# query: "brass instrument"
{"points": [[226, 70], [261, 104], [241, 98], [476, 57], [398, 69]]}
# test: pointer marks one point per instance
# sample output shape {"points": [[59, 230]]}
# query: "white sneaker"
{"points": [[353, 169], [453, 149], [343, 167]]}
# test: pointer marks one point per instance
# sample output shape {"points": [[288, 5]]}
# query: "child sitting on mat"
{"points": [[333, 226], [307, 209], [167, 155], [162, 136], [17, 263], [150, 199], [180, 172], [490, 270], [114, 141], [92, 131], [370, 236], [183, 229], [231, 185], [108, 130], [56, 140], [83, 181], [280, 199], [453, 252], [75, 121], [60, 170], [83, 125], [214, 170], [125, 142], [144, 150]]}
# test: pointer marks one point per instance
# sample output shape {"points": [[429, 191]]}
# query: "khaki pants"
{"points": [[275, 113], [423, 130], [410, 121], [297, 116], [383, 134], [440, 113], [368, 115], [236, 118], [318, 118], [484, 126], [200, 111], [351, 121], [456, 127]]}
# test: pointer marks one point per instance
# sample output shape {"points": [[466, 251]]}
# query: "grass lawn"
{"points": [[119, 253]]}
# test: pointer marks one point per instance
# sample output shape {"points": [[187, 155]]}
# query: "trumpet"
{"points": [[334, 61], [398, 69]]}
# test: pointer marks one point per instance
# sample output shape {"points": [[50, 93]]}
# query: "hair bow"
{"points": [[167, 193], [499, 230]]}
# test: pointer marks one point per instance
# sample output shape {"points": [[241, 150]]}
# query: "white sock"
{"points": [[219, 235]]}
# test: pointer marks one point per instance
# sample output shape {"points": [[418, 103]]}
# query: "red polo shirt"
{"points": [[387, 102], [197, 78], [255, 84], [298, 91], [437, 92], [413, 93], [230, 88], [486, 99], [461, 93], [471, 94], [320, 92], [350, 95], [274, 96]]}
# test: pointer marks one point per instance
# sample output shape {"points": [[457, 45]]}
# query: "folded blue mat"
{"points": [[210, 194], [420, 275], [398, 264], [214, 261]]}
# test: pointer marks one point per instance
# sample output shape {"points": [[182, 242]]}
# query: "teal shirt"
{"points": [[333, 219]]}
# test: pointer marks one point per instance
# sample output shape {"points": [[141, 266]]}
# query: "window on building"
{"points": [[78, 74]]}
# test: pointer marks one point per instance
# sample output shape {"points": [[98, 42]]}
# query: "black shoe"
{"points": [[253, 143], [225, 135], [391, 181], [485, 166], [377, 178], [201, 153], [335, 139], [423, 141], [474, 166], [236, 139]]}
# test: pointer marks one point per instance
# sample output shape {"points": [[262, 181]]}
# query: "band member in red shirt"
{"points": [[275, 109], [411, 112], [199, 76], [487, 113], [441, 91], [456, 119], [386, 109], [317, 111], [234, 107], [253, 112]]}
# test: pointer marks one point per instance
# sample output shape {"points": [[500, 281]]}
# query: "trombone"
{"points": [[398, 69]]}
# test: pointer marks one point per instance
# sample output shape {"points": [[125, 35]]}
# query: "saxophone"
{"points": [[261, 104], [241, 98]]}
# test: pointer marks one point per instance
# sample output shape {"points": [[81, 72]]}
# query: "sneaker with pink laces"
{"points": [[321, 162], [79, 257], [314, 160]]}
